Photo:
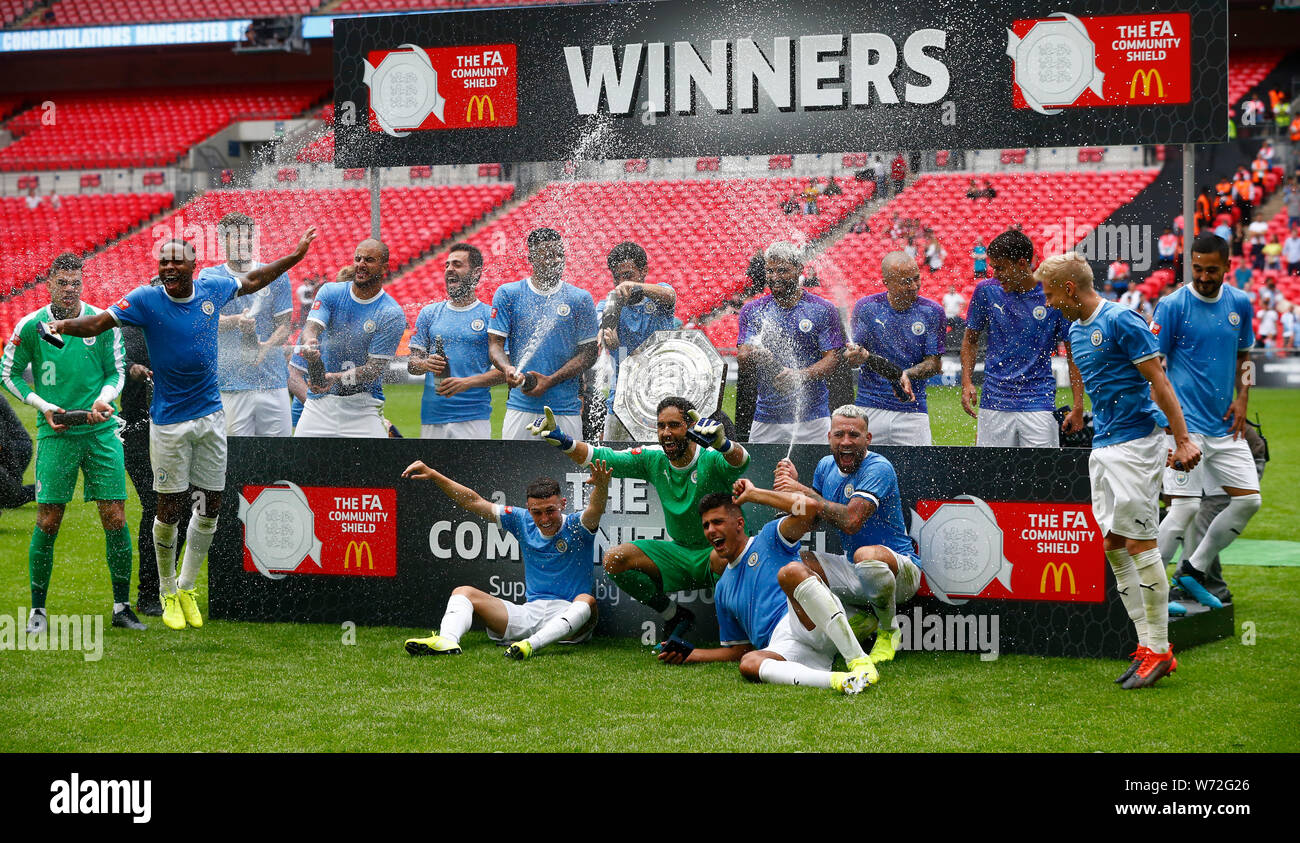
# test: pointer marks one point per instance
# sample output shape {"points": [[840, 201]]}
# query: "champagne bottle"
{"points": [[440, 351]]}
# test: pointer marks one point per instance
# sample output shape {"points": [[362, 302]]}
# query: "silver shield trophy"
{"points": [[670, 363]]}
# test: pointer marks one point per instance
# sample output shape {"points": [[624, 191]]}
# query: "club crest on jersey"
{"points": [[89, 341], [562, 310], [1096, 337], [561, 545], [650, 308], [805, 325], [752, 560], [208, 308], [369, 326], [1234, 319], [848, 490], [1180, 478], [918, 328], [1040, 313], [695, 477], [477, 325]]}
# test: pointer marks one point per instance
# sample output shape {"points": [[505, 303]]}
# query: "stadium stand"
{"points": [[850, 268], [148, 127], [11, 10], [415, 219], [439, 5], [96, 12], [80, 224], [1247, 68], [699, 233], [9, 105]]}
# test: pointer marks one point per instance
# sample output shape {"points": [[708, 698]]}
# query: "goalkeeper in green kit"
{"points": [[682, 472], [75, 386]]}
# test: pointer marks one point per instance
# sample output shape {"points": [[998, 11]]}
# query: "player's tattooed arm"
{"points": [[464, 497], [599, 482], [848, 517], [84, 326], [263, 275], [786, 479], [803, 509], [1185, 455]]}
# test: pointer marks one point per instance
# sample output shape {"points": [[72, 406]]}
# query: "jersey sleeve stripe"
{"points": [[1145, 357], [734, 643], [867, 495]]}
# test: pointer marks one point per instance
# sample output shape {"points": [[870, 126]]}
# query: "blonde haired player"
{"points": [[1120, 362]]}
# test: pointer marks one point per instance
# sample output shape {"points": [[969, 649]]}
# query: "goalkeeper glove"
{"points": [[708, 432], [545, 427]]}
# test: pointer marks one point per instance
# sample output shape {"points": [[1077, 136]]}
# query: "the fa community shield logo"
{"points": [[964, 542], [280, 530]]}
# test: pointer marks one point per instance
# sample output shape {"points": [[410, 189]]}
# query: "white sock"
{"points": [[1181, 513], [667, 614], [1225, 527], [561, 626], [878, 584], [164, 549], [198, 538], [457, 618], [827, 614], [778, 672], [1126, 581], [1154, 585]]}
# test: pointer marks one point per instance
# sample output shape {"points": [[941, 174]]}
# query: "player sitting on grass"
{"points": [[682, 473], [775, 615], [858, 492], [557, 552]]}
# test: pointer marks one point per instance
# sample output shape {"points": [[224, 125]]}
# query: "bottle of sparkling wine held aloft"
{"points": [[440, 351]]}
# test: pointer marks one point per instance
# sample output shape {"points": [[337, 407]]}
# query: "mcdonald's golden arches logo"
{"points": [[361, 549], [482, 102], [1146, 76], [1058, 572]]}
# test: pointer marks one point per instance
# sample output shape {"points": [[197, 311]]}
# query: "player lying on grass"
{"points": [[682, 473], [1119, 359], [557, 552], [858, 493], [775, 615]]}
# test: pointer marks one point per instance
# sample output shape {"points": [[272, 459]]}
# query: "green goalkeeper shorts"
{"points": [[96, 453], [681, 568]]}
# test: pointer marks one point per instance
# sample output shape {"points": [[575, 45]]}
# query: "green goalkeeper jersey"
{"points": [[72, 377], [680, 489]]}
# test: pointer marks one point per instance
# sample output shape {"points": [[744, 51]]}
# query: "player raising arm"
{"points": [[187, 431], [682, 472], [1120, 362], [775, 615], [557, 553]]}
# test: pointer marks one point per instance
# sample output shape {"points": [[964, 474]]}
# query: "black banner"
{"points": [[324, 530], [719, 77]]}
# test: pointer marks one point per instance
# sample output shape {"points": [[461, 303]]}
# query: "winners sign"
{"points": [[713, 77]]}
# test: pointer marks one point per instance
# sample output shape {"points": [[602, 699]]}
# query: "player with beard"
{"points": [[1204, 330], [349, 323], [775, 615], [682, 473], [858, 493], [187, 432], [543, 323], [897, 339], [793, 341], [450, 348], [1119, 359]]}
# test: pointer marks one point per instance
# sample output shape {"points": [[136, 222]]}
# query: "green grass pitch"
{"points": [[285, 687]]}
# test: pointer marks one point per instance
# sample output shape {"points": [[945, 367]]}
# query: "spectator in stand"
{"points": [[898, 172], [973, 191], [55, 202], [1272, 255], [980, 257], [1108, 292], [1291, 198], [1132, 298], [1167, 246], [33, 201], [1242, 275], [1243, 193], [1118, 274], [1266, 152], [1268, 293], [954, 305], [1223, 228], [989, 192], [1267, 325], [810, 194], [1291, 251], [1288, 320], [935, 254], [1257, 244], [878, 168]]}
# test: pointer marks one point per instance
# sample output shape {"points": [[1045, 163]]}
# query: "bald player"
{"points": [[897, 339], [1119, 360], [351, 335]]}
